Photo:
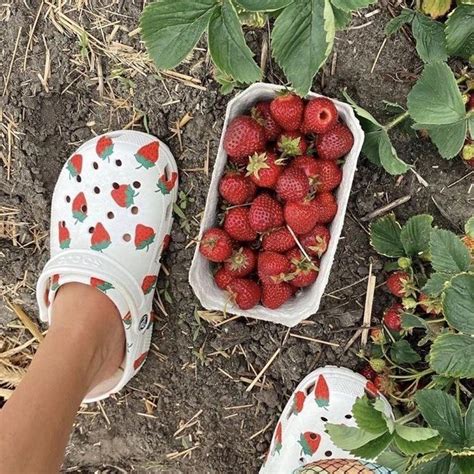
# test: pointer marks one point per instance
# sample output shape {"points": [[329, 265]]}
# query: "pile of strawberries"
{"points": [[278, 191]]}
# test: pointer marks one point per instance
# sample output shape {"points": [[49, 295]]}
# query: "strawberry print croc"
{"points": [[300, 444], [111, 215]]}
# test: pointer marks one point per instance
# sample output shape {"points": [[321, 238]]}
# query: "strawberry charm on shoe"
{"points": [[110, 221]]}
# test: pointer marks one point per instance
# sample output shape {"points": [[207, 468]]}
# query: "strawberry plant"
{"points": [[422, 356], [302, 37], [440, 104]]}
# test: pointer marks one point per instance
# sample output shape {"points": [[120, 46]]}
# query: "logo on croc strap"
{"points": [[123, 195], [144, 237], [148, 155], [165, 186], [79, 208], [104, 147], [143, 322], [321, 392], [64, 237], [100, 238], [74, 165], [101, 285]]}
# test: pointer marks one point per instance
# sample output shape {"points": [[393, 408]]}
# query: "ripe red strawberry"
{"points": [[264, 169], [216, 245], [368, 372], [328, 176], [244, 137], [165, 185], [104, 147], [101, 284], [261, 113], [235, 188], [320, 115], [237, 224], [316, 241], [245, 293], [100, 238], [123, 195], [148, 155], [74, 165], [470, 102], [301, 216], [292, 144], [144, 237], [223, 278], [292, 185], [430, 305], [308, 164], [335, 143], [304, 272], [241, 263], [278, 240], [287, 109], [400, 284], [265, 213], [325, 205], [275, 295], [391, 317], [309, 442], [64, 237], [148, 284], [79, 207], [273, 267]]}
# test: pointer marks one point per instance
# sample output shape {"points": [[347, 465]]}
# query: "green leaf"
{"points": [[436, 8], [302, 38], [171, 28], [406, 16], [465, 464], [402, 353], [415, 235], [469, 227], [448, 253], [435, 99], [389, 157], [436, 283], [442, 413], [350, 5], [410, 321], [416, 447], [452, 355], [430, 39], [367, 417], [460, 32], [360, 111], [341, 18], [415, 433], [469, 424], [439, 464], [371, 146], [263, 5], [385, 236], [349, 437], [458, 303], [449, 139], [393, 460], [227, 45], [373, 448]]}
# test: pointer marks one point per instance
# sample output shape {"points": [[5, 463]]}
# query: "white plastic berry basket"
{"points": [[306, 302]]}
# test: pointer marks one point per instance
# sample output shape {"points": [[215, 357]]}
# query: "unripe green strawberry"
{"points": [[377, 364]]}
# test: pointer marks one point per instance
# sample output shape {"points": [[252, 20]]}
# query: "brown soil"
{"points": [[200, 366]]}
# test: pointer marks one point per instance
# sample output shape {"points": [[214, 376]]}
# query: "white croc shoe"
{"points": [[300, 444], [111, 215]]}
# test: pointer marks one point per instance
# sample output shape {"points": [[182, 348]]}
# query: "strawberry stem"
{"points": [[396, 121]]}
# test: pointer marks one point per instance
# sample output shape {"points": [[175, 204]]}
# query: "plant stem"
{"points": [[396, 121], [410, 416]]}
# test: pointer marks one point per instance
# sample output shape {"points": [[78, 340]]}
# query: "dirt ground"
{"points": [[196, 369]]}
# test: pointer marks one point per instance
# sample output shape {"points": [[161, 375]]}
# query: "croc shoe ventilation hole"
{"points": [[126, 237]]}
